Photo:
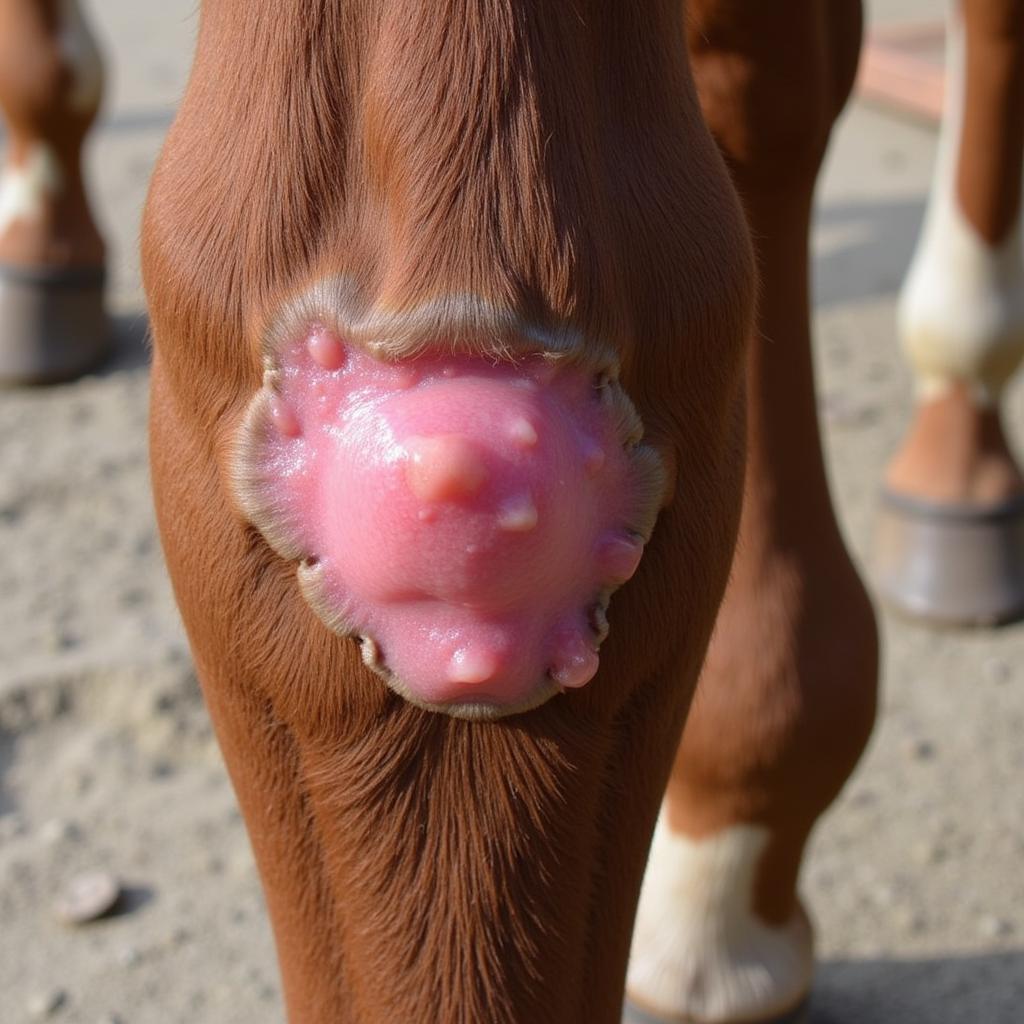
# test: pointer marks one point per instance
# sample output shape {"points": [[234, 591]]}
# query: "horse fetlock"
{"points": [[961, 313], [700, 951], [28, 189]]}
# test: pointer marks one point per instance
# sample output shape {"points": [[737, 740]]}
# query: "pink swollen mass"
{"points": [[470, 518]]}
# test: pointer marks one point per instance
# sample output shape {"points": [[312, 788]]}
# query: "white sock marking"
{"points": [[699, 951], [961, 311], [25, 188]]}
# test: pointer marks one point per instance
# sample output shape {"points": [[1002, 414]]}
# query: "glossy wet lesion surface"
{"points": [[469, 517]]}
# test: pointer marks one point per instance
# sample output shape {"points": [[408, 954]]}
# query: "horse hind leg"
{"points": [[786, 700], [950, 543], [52, 321]]}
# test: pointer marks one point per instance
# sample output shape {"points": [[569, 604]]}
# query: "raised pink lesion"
{"points": [[467, 517]]}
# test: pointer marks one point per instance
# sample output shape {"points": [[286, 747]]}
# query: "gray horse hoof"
{"points": [[53, 325], [951, 565]]}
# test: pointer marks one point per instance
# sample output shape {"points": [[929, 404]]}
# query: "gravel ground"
{"points": [[107, 759]]}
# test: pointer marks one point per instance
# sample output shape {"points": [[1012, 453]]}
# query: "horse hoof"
{"points": [[53, 325], [633, 1014], [951, 565]]}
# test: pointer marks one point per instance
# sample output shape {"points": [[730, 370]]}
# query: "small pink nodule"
{"points": [[284, 418], [326, 349], [575, 662], [619, 557], [593, 459], [523, 432], [407, 378], [472, 665], [445, 468], [519, 515], [454, 512]]}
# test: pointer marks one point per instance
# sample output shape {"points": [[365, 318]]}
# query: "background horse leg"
{"points": [[484, 179], [52, 321], [787, 697], [951, 532]]}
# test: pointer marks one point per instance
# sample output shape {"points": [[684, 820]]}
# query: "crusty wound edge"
{"points": [[469, 327]]}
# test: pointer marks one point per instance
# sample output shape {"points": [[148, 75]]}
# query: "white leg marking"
{"points": [[25, 188], [961, 312], [78, 47], [699, 951]]}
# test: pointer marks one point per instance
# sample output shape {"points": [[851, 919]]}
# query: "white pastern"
{"points": [[961, 313], [78, 47], [699, 951], [25, 188]]}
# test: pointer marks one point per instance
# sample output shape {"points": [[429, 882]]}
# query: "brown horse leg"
{"points": [[504, 189], [787, 697], [951, 533], [52, 323]]}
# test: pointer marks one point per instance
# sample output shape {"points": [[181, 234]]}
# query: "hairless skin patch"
{"points": [[466, 517]]}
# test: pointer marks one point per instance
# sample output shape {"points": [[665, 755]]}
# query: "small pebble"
{"points": [[993, 927], [863, 798], [65, 640], [12, 826], [996, 670], [46, 1004], [132, 597], [911, 921], [128, 956], [840, 410], [20, 871], [87, 897], [837, 354], [882, 895], [161, 769], [922, 750], [76, 783], [165, 703], [929, 853], [57, 830]]}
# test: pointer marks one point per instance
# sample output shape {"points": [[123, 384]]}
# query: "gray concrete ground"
{"points": [[106, 758]]}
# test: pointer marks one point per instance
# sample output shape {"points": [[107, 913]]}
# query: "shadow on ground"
{"points": [[130, 122], [131, 344], [862, 249], [132, 897], [986, 989], [7, 801]]}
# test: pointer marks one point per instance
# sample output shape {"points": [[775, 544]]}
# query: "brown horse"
{"points": [[454, 315]]}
